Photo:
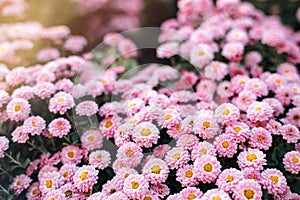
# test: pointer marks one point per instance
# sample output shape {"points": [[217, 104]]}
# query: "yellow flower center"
{"points": [[176, 156], [208, 167], [229, 179], [201, 53], [91, 138], [242, 82], [48, 183], [156, 169], [274, 178], [147, 198], [134, 185], [258, 108], [261, 138], [17, 108], [146, 132], [68, 193], [83, 175], [35, 191], [33, 123], [216, 198], [278, 81], [225, 144], [237, 129], [108, 124], [104, 81], [70, 154], [60, 100], [168, 116], [65, 174], [18, 182], [203, 151], [188, 174], [256, 85], [132, 105], [295, 160], [129, 153], [126, 175], [133, 121], [191, 196], [251, 157], [206, 124], [249, 194], [52, 198], [226, 111], [99, 158]]}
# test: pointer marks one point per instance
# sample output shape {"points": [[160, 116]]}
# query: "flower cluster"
{"points": [[221, 128]]}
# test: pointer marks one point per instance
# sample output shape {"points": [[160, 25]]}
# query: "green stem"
{"points": [[34, 146], [14, 160], [6, 172], [4, 189], [67, 139], [71, 120]]}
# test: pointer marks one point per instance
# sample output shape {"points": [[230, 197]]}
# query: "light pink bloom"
{"points": [[100, 159], [34, 125], [20, 183], [259, 111], [233, 51], [225, 145], [260, 138], [75, 44], [186, 176], [247, 189], [215, 194], [71, 154], [201, 55], [91, 139], [251, 158], [291, 162], [85, 178], [135, 186], [18, 109], [156, 171], [59, 127], [47, 54], [228, 179], [274, 181], [207, 168]]}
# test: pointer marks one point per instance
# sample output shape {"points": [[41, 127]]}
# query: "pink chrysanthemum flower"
{"points": [[274, 181], [78, 91], [244, 99], [94, 88], [59, 127], [61, 102], [203, 148], [49, 181], [135, 186], [225, 145], [108, 126], [239, 130], [160, 190], [187, 141], [18, 109], [260, 138], [113, 185], [117, 196], [4, 144], [274, 127], [251, 158], [54, 195], [257, 86], [19, 135], [145, 134], [207, 168], [161, 150], [67, 172], [86, 108], [177, 157], [227, 113], [131, 153], [123, 133], [34, 125], [293, 116], [4, 98], [132, 106], [171, 118], [47, 54], [24, 92], [44, 90], [91, 139], [97, 196], [291, 162], [70, 192], [259, 111], [71, 154], [237, 35], [205, 125], [215, 194], [247, 189], [186, 176], [233, 51], [290, 133], [65, 85], [190, 193], [100, 159], [275, 105], [75, 44], [275, 80], [33, 192], [20, 183], [238, 83], [228, 179], [156, 171], [284, 94], [216, 70], [85, 178], [201, 55], [295, 100], [224, 90], [251, 173]]}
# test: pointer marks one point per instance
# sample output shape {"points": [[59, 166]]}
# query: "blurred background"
{"points": [[94, 18]]}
